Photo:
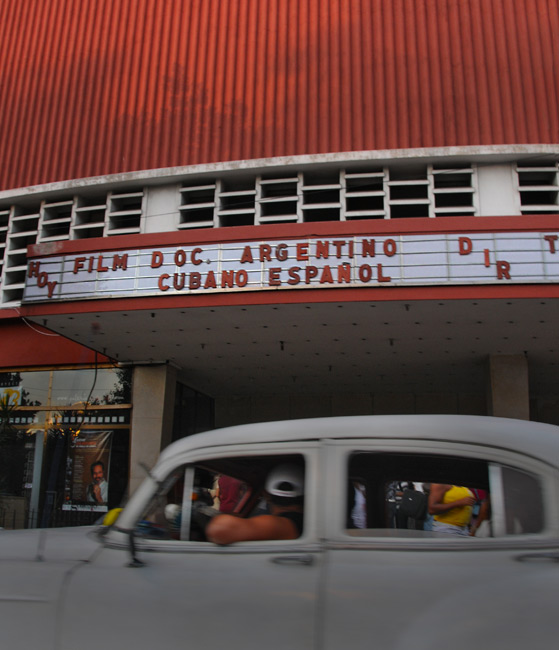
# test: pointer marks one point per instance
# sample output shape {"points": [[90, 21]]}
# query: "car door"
{"points": [[195, 594], [34, 566], [407, 588]]}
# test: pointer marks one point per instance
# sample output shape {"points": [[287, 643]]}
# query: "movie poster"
{"points": [[87, 472]]}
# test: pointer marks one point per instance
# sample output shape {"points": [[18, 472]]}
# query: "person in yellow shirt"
{"points": [[451, 507]]}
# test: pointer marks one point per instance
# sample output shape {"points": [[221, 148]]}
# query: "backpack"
{"points": [[413, 504]]}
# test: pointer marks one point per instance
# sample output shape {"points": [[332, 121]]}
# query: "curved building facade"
{"points": [[214, 212]]}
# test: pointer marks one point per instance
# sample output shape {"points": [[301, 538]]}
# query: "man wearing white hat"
{"points": [[285, 496]]}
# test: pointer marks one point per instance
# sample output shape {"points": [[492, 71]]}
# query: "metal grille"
{"points": [[538, 188]]}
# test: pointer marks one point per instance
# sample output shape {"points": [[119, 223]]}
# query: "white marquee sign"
{"points": [[330, 262]]}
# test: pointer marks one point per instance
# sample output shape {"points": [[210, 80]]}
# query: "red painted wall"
{"points": [[25, 344], [92, 87]]}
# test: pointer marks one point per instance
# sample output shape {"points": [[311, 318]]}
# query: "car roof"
{"points": [[530, 438]]}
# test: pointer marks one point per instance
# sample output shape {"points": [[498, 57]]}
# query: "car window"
{"points": [[425, 495], [193, 494], [523, 507]]}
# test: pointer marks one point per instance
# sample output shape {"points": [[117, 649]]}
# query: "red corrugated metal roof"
{"points": [[92, 87]]}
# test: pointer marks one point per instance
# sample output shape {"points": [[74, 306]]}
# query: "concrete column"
{"points": [[497, 193], [153, 400], [508, 390], [161, 208]]}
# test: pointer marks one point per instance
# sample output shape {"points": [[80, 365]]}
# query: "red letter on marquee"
{"points": [[34, 269], [227, 279], [241, 278], [210, 282], [78, 264], [193, 256], [178, 281], [310, 273], [42, 280], [338, 245], [365, 273], [368, 248], [281, 252], [326, 276], [51, 287], [322, 249], [465, 245], [156, 259], [389, 247], [380, 276], [302, 252], [294, 277], [265, 253], [247, 256], [194, 280], [100, 267], [551, 239], [120, 262], [344, 273], [274, 277], [503, 270], [180, 257]]}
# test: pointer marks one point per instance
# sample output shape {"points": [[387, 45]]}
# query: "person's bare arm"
{"points": [[227, 529], [438, 490]]}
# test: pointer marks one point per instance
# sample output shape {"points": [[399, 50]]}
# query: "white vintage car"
{"points": [[350, 580]]}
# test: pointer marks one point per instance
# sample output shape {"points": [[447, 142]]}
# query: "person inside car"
{"points": [[284, 492], [451, 507]]}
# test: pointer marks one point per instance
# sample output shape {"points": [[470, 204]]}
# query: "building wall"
{"points": [[141, 117], [231, 410], [25, 344], [106, 86]]}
